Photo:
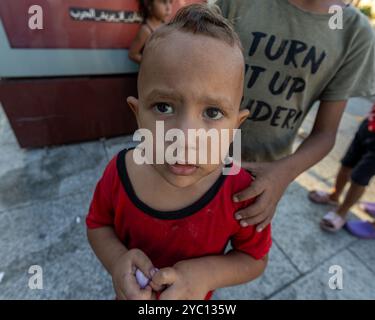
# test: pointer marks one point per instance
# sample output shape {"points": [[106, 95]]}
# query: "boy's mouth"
{"points": [[182, 169]]}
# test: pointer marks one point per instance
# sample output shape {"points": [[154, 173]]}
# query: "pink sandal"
{"points": [[321, 197], [332, 222]]}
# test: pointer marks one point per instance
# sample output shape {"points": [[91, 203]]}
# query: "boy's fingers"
{"points": [[153, 295], [131, 288], [134, 292], [253, 191], [165, 276], [256, 219], [142, 294], [146, 293], [253, 221], [262, 217], [156, 287], [253, 210], [143, 263], [264, 224]]}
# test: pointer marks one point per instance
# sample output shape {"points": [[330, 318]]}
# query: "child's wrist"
{"points": [[198, 274], [116, 260]]}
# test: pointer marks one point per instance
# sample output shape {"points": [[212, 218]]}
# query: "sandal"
{"points": [[361, 229], [332, 222], [321, 197]]}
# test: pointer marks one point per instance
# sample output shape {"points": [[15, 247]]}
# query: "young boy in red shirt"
{"points": [[173, 221]]}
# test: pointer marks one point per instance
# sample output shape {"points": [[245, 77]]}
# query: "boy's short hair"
{"points": [[200, 19]]}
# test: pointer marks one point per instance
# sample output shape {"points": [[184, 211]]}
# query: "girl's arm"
{"points": [[138, 44]]}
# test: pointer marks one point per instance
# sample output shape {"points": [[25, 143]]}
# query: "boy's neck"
{"points": [[317, 6]]}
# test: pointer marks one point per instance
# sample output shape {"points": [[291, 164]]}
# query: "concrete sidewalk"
{"points": [[45, 193]]}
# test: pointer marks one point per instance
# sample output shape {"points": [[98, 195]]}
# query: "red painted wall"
{"points": [[62, 31]]}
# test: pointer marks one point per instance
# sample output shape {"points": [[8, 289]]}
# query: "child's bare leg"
{"points": [[353, 195], [343, 177]]}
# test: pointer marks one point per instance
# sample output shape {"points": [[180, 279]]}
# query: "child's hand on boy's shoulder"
{"points": [[124, 279], [180, 281], [271, 181]]}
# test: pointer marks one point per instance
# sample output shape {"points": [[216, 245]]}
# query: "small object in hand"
{"points": [[142, 280]]}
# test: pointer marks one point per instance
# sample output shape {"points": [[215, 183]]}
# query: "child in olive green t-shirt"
{"points": [[296, 53]]}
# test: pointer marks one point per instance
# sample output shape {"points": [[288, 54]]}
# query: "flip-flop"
{"points": [[361, 229], [321, 197], [369, 207], [332, 222]]}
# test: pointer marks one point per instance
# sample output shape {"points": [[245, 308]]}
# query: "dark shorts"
{"points": [[361, 155]]}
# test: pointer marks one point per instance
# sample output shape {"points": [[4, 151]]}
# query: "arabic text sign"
{"points": [[100, 15]]}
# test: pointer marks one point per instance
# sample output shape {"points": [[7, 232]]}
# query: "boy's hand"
{"points": [[123, 276], [271, 181], [181, 282]]}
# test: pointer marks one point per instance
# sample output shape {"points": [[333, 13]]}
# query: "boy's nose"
{"points": [[188, 123], [194, 130]]}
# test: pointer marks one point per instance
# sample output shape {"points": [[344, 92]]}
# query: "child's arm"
{"points": [[272, 178], [138, 43], [194, 278], [121, 263]]}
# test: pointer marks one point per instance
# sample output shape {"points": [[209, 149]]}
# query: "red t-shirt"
{"points": [[371, 120], [201, 229]]}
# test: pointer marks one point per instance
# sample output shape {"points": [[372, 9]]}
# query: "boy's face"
{"points": [[189, 82]]}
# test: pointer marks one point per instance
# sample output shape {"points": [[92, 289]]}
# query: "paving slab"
{"points": [[115, 145], [297, 232], [64, 276], [279, 273], [30, 175], [356, 281], [365, 251], [35, 227]]}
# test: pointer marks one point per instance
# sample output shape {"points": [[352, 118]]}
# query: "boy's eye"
{"points": [[163, 108], [213, 113]]}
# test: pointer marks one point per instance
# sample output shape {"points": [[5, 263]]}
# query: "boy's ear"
{"points": [[134, 105], [242, 116]]}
